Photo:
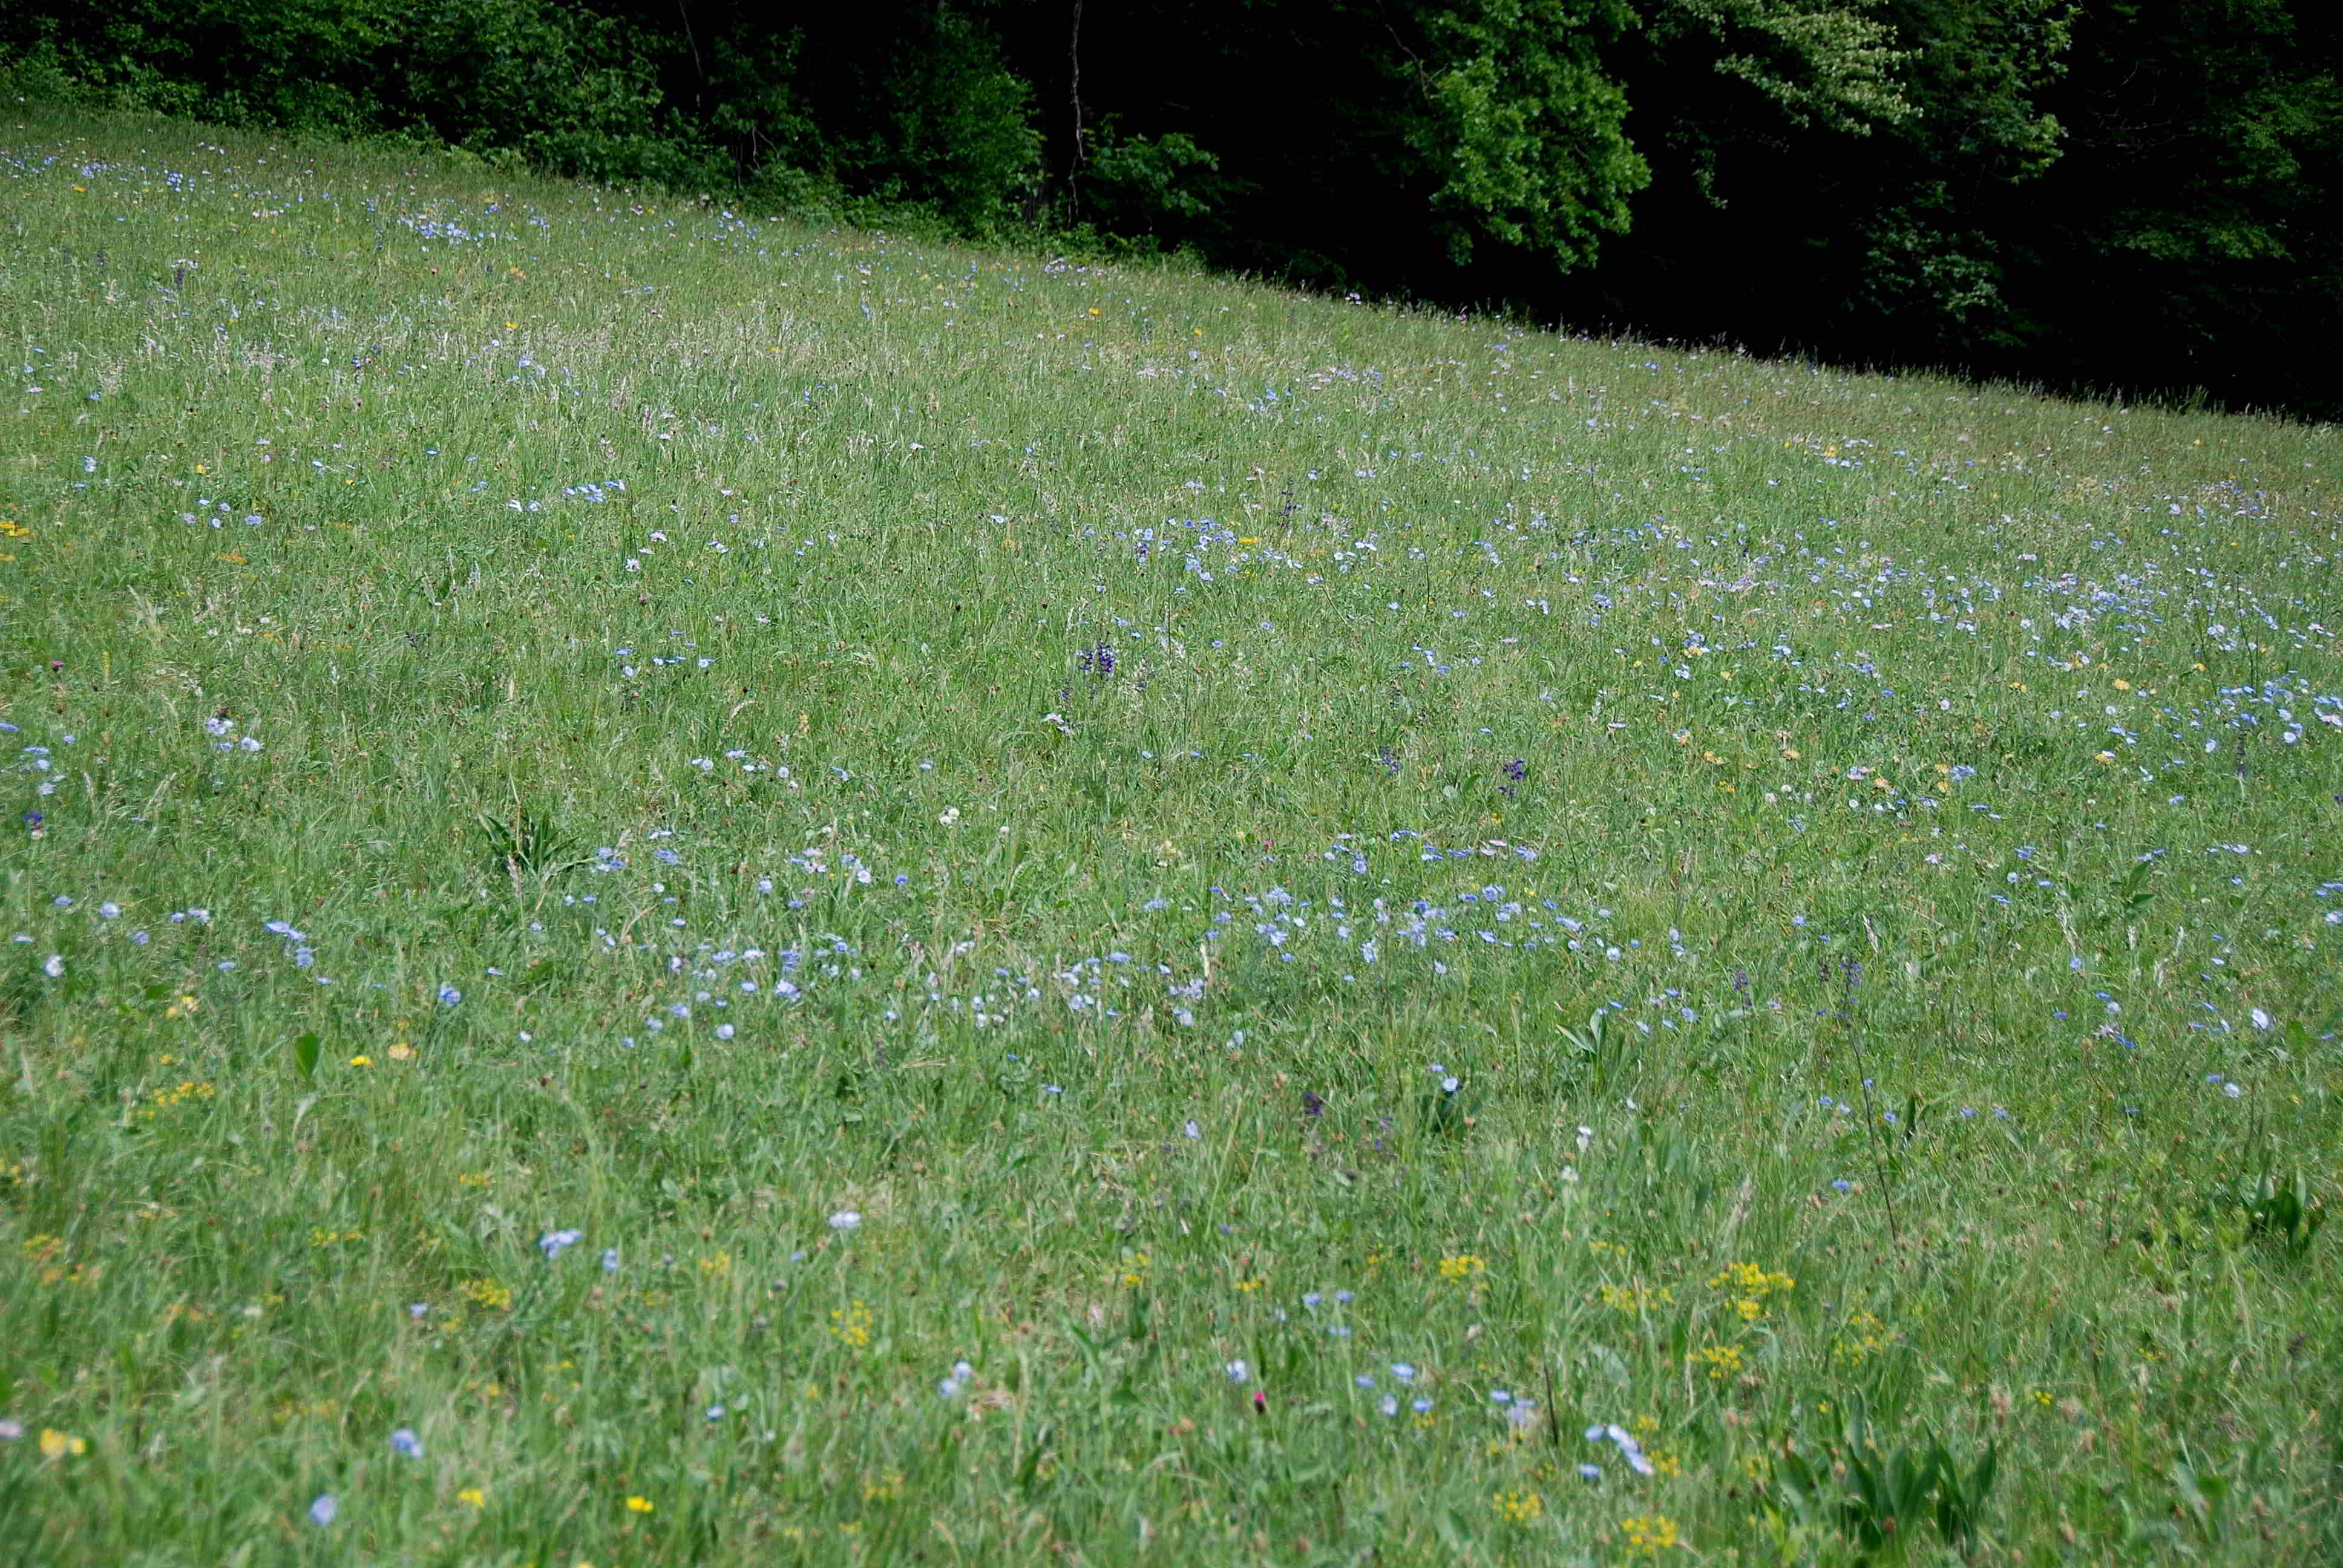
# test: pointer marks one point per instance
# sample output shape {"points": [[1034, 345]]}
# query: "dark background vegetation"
{"points": [[2134, 196]]}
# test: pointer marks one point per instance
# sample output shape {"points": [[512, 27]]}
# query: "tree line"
{"points": [[2136, 197]]}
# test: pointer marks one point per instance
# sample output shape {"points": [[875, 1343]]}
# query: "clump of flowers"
{"points": [[163, 1099], [1750, 1286], [1721, 1362], [1519, 1507], [850, 1325], [1649, 1532], [493, 1294], [1464, 1266]]}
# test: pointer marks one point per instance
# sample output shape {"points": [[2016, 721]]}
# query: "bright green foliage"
{"points": [[955, 132], [1130, 183], [1839, 65], [562, 86], [556, 85], [1522, 127]]}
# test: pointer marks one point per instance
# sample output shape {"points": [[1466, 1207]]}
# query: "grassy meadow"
{"points": [[680, 889]]}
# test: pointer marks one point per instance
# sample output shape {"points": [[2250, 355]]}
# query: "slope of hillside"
{"points": [[682, 889]]}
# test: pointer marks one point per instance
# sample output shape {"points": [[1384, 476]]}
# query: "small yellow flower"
{"points": [[55, 1444], [493, 1294], [640, 1506], [1651, 1533], [472, 1497], [1722, 1360], [851, 1325], [362, 1062]]}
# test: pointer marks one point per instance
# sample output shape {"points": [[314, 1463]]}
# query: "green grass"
{"points": [[1715, 896]]}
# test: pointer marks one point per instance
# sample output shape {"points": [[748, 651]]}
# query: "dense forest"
{"points": [[2136, 197]]}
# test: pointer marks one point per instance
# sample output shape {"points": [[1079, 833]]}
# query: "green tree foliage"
{"points": [[1976, 73], [563, 86], [1832, 65], [1522, 131]]}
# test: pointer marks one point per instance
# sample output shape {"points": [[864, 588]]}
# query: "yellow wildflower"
{"points": [[1651, 1533]]}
